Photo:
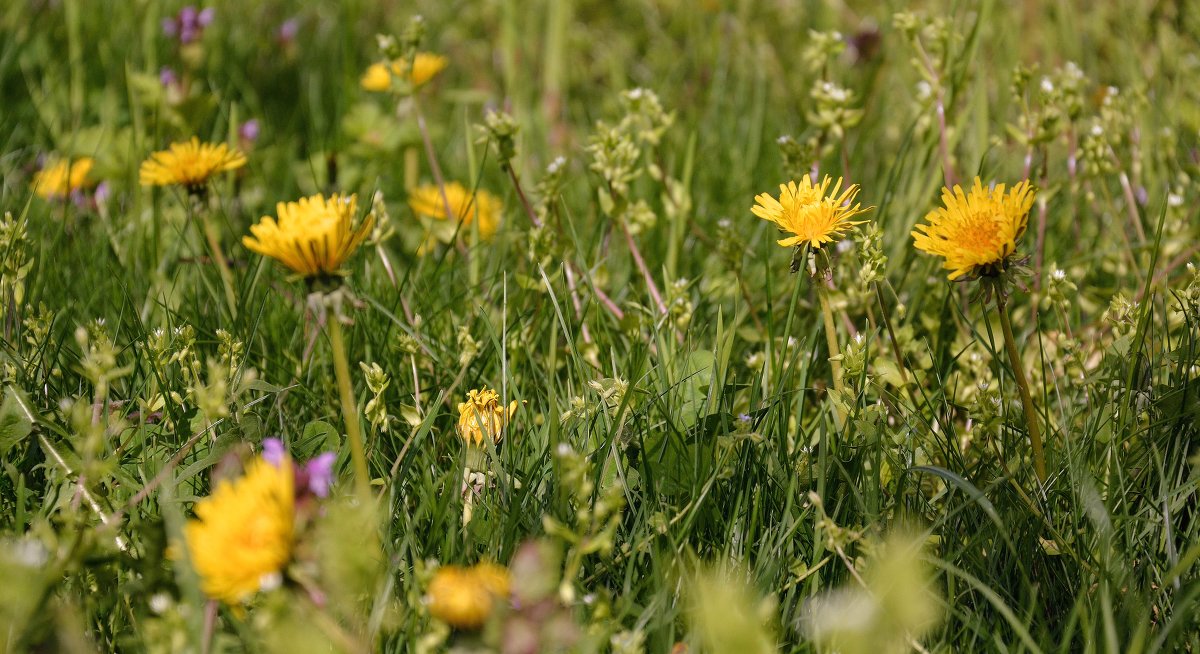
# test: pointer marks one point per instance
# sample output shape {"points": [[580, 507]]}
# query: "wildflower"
{"points": [[63, 177], [189, 164], [425, 66], [976, 232], [428, 201], [481, 417], [313, 237], [248, 131], [464, 598], [313, 478], [189, 24], [241, 539], [813, 214]]}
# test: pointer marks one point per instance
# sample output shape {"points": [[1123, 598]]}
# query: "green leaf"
{"points": [[16, 419]]}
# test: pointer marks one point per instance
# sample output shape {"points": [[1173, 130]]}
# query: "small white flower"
{"points": [[1047, 85], [270, 581], [159, 603]]}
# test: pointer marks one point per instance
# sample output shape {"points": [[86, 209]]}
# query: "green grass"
{"points": [[1102, 558]]}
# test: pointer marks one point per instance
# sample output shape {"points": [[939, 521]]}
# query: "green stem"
{"points": [[1014, 359], [214, 244], [831, 341], [341, 369]]}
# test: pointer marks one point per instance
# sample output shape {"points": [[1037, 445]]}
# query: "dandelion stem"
{"points": [[831, 341], [641, 265], [433, 164], [214, 244], [1014, 359], [341, 369]]}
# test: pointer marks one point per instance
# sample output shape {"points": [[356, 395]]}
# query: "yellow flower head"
{"points": [[425, 67], [189, 164], [977, 230], [481, 417], [59, 179], [464, 598], [812, 214], [241, 538], [313, 237], [427, 201]]}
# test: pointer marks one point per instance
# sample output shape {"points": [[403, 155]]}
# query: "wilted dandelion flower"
{"points": [[241, 539], [425, 66], [464, 598], [813, 214], [189, 164], [312, 237], [975, 232], [427, 201], [482, 417], [63, 177]]}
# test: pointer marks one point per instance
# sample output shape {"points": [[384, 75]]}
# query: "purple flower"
{"points": [[313, 478], [102, 193], [318, 474], [273, 451], [288, 30], [249, 130], [167, 77], [189, 24]]}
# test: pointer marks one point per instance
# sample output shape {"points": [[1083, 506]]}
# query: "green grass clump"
{"points": [[685, 468]]}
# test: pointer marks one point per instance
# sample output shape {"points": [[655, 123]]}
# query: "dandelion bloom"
{"points": [[464, 598], [812, 214], [241, 539], [974, 232], [63, 177], [189, 164], [425, 67], [481, 417], [312, 237], [427, 201]]}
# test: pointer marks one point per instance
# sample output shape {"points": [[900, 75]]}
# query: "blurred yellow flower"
{"points": [[425, 67], [427, 201], [241, 539], [481, 417], [464, 598], [312, 237], [189, 164], [812, 214], [975, 231], [59, 179]]}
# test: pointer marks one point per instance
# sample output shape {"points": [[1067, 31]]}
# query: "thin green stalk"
{"points": [[831, 341], [341, 369], [1014, 359], [214, 244]]}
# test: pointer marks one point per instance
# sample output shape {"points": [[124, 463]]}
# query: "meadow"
{"points": [[630, 326]]}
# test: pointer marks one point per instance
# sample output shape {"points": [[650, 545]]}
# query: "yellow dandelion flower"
{"points": [[189, 164], [975, 231], [481, 417], [312, 237], [59, 179], [812, 214], [426, 66], [427, 201], [241, 539], [464, 598]]}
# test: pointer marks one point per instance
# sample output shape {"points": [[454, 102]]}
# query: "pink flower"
{"points": [[313, 478]]}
